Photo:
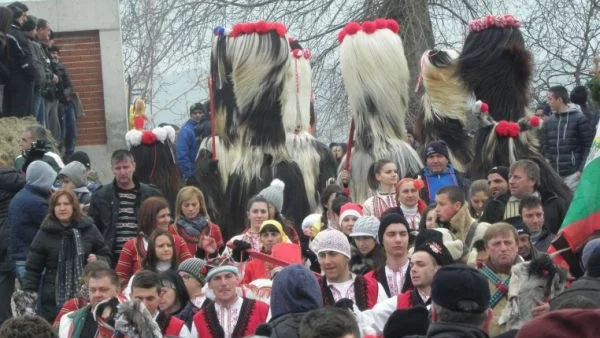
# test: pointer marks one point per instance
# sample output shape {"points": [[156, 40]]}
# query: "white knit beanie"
{"points": [[333, 240], [274, 193]]}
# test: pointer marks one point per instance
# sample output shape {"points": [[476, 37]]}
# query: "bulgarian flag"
{"points": [[583, 216]]}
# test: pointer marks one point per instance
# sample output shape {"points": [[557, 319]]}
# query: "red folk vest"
{"points": [[174, 327], [252, 314]]}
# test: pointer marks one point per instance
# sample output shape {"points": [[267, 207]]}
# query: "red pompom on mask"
{"points": [[535, 121], [148, 138], [484, 107], [369, 27]]}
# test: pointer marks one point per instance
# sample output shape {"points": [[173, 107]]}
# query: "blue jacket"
{"points": [[187, 148], [433, 182], [26, 212]]}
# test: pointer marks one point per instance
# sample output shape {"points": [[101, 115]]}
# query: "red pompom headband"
{"points": [[299, 53], [368, 27], [418, 183], [489, 21], [260, 27]]}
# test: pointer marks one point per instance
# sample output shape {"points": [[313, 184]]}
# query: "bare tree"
{"points": [[165, 36], [564, 37]]}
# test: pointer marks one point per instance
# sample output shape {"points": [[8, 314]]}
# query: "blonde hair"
{"points": [[5, 160], [498, 229], [185, 194]]}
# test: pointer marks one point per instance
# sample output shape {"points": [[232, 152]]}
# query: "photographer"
{"points": [[35, 146]]}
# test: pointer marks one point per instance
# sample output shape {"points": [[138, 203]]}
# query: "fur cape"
{"points": [[375, 75], [262, 107], [495, 65], [446, 107]]}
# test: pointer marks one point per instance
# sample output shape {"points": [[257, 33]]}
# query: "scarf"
{"points": [[501, 286], [70, 266], [412, 216], [193, 227]]}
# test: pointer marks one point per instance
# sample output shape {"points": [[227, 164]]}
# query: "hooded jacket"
{"points": [[10, 183], [295, 292], [28, 209], [433, 182], [566, 141]]}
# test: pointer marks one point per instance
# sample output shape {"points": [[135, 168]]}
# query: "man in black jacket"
{"points": [[64, 90], [18, 92], [524, 181], [566, 137], [114, 206]]}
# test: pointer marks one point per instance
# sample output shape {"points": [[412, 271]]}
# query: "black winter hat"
{"points": [[500, 170], [82, 157], [391, 219], [593, 265], [437, 147], [453, 284], [428, 235], [438, 251], [407, 322], [201, 106]]}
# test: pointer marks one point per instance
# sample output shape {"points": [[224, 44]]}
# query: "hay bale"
{"points": [[11, 130]]}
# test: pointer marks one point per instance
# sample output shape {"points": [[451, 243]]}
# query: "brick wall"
{"points": [[80, 52]]}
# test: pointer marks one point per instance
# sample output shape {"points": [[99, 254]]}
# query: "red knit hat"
{"points": [[563, 324], [351, 209]]}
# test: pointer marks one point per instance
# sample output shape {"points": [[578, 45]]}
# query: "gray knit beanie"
{"points": [[75, 172], [274, 193], [40, 174], [194, 266], [366, 226]]}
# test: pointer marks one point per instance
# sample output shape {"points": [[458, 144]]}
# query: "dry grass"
{"points": [[11, 130]]}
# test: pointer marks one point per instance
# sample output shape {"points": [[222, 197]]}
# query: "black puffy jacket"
{"points": [[566, 141], [42, 261]]}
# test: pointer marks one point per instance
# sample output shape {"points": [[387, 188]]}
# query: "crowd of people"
{"points": [[35, 83], [437, 253]]}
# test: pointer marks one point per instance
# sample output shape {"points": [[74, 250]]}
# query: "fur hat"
{"points": [[274, 193], [333, 240], [195, 267], [366, 226], [75, 172], [437, 147], [457, 282], [438, 251], [390, 219], [350, 209], [407, 322], [454, 245], [500, 170]]}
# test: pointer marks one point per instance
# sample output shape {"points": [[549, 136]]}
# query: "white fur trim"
{"points": [[171, 134], [161, 134], [133, 138]]}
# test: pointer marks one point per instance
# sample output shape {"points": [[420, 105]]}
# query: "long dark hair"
{"points": [[171, 278], [374, 169], [6, 18], [423, 221], [150, 261], [147, 213], [327, 192]]}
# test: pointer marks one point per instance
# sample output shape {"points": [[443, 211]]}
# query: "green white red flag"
{"points": [[583, 216]]}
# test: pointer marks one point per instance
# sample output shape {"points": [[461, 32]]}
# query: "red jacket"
{"points": [[174, 327], [133, 253], [252, 314]]}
